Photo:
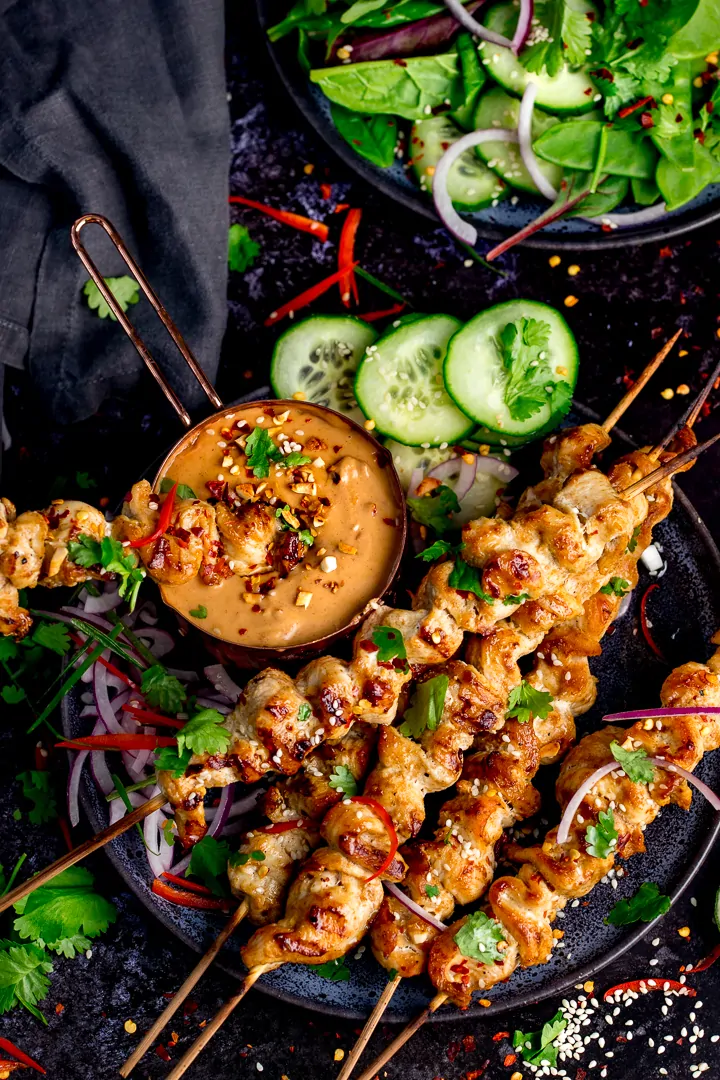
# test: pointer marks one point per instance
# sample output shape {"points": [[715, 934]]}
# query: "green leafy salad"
{"points": [[625, 96]]}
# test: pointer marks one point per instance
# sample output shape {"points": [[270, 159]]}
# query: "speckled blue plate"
{"points": [[685, 613], [493, 223]]}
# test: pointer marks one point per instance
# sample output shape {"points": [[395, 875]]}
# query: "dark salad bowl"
{"points": [[493, 223]]}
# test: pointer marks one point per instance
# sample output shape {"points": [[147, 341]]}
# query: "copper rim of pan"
{"points": [[221, 409]]}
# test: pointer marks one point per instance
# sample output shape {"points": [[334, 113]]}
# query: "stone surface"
{"points": [[628, 301]]}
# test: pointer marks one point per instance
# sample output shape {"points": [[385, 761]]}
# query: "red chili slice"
{"points": [[185, 898], [388, 823], [644, 623], [191, 886], [373, 316], [346, 249], [163, 521], [287, 217], [706, 963], [121, 741], [16, 1052], [144, 716], [308, 296]]}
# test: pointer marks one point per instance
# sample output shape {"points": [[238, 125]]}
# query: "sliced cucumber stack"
{"points": [[399, 384], [471, 184], [319, 357], [499, 397], [568, 92], [498, 109]]}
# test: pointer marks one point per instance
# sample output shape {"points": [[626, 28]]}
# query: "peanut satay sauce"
{"points": [[355, 522]]}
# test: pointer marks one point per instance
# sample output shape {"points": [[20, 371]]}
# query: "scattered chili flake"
{"points": [[453, 1050], [469, 1044], [666, 253], [59, 1008], [162, 1052], [684, 931], [639, 104], [326, 191], [509, 1059], [570, 301], [475, 1074], [499, 1035]]}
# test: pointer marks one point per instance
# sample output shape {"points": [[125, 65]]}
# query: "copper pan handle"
{"points": [[160, 309]]}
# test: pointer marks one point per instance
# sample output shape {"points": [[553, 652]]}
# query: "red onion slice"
{"points": [[159, 852], [73, 787], [412, 906], [118, 809], [703, 788], [159, 641], [644, 714], [496, 467], [223, 811], [218, 676], [576, 801], [447, 213], [465, 474], [634, 217], [465, 19], [527, 153], [105, 708], [98, 605], [416, 479], [522, 29], [213, 703]]}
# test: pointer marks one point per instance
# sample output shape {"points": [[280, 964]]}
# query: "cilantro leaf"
{"points": [[183, 491], [64, 908], [240, 858], [525, 702], [513, 598], [199, 612], [432, 891], [523, 346], [168, 760], [209, 862], [547, 53], [84, 481], [261, 451], [8, 649], [616, 586], [334, 970], [634, 763], [37, 787], [601, 839], [53, 636], [70, 947], [242, 249], [306, 537], [478, 936], [293, 460], [434, 509], [12, 695], [110, 555], [633, 541], [467, 578], [125, 290], [168, 830], [438, 549], [304, 712], [161, 690], [644, 906], [537, 1047], [205, 733], [341, 779], [426, 708], [390, 644], [23, 977]]}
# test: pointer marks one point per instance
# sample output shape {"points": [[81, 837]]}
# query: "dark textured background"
{"points": [[628, 301]]}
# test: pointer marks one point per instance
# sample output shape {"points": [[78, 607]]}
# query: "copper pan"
{"points": [[221, 648]]}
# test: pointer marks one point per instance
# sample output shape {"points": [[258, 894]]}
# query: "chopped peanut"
{"points": [[347, 549], [303, 599], [328, 564]]}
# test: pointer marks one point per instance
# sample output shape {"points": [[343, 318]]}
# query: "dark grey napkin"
{"points": [[117, 108]]}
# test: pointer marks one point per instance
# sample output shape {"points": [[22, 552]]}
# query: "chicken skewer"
{"points": [[524, 907], [298, 802]]}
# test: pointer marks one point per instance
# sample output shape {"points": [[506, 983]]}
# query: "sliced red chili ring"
{"points": [[388, 823]]}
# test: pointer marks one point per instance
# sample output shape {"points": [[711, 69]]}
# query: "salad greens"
{"points": [[644, 75]]}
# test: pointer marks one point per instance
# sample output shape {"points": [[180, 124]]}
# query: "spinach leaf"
{"points": [[574, 145], [384, 86], [372, 137], [407, 11], [473, 80], [678, 187], [609, 194], [673, 130]]}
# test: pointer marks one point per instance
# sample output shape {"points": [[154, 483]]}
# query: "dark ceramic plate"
{"points": [[494, 223], [685, 613]]}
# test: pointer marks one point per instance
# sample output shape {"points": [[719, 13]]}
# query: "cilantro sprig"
{"points": [[261, 451], [525, 702], [204, 733], [293, 460], [125, 289], [438, 549], [242, 249], [162, 690], [616, 586], [334, 970], [209, 862], [37, 788], [530, 383], [426, 708], [601, 839], [538, 1047], [634, 763], [184, 491], [390, 644], [644, 906], [478, 938], [467, 578], [109, 555], [435, 509], [341, 779], [241, 858]]}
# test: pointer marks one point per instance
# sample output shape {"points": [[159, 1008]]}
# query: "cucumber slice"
{"points": [[567, 92], [475, 375], [498, 109], [399, 384], [319, 357], [480, 499], [471, 184], [499, 439]]}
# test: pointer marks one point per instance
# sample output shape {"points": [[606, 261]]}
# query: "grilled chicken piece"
{"points": [[67, 520], [525, 906], [408, 770], [306, 797], [329, 909], [248, 535]]}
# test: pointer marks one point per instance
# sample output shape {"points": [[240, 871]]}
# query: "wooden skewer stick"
{"points": [[667, 469], [637, 386], [690, 415], [78, 853], [218, 1020], [193, 978], [405, 1035], [372, 1022]]}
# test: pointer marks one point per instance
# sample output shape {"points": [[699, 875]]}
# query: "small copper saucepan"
{"points": [[245, 656]]}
